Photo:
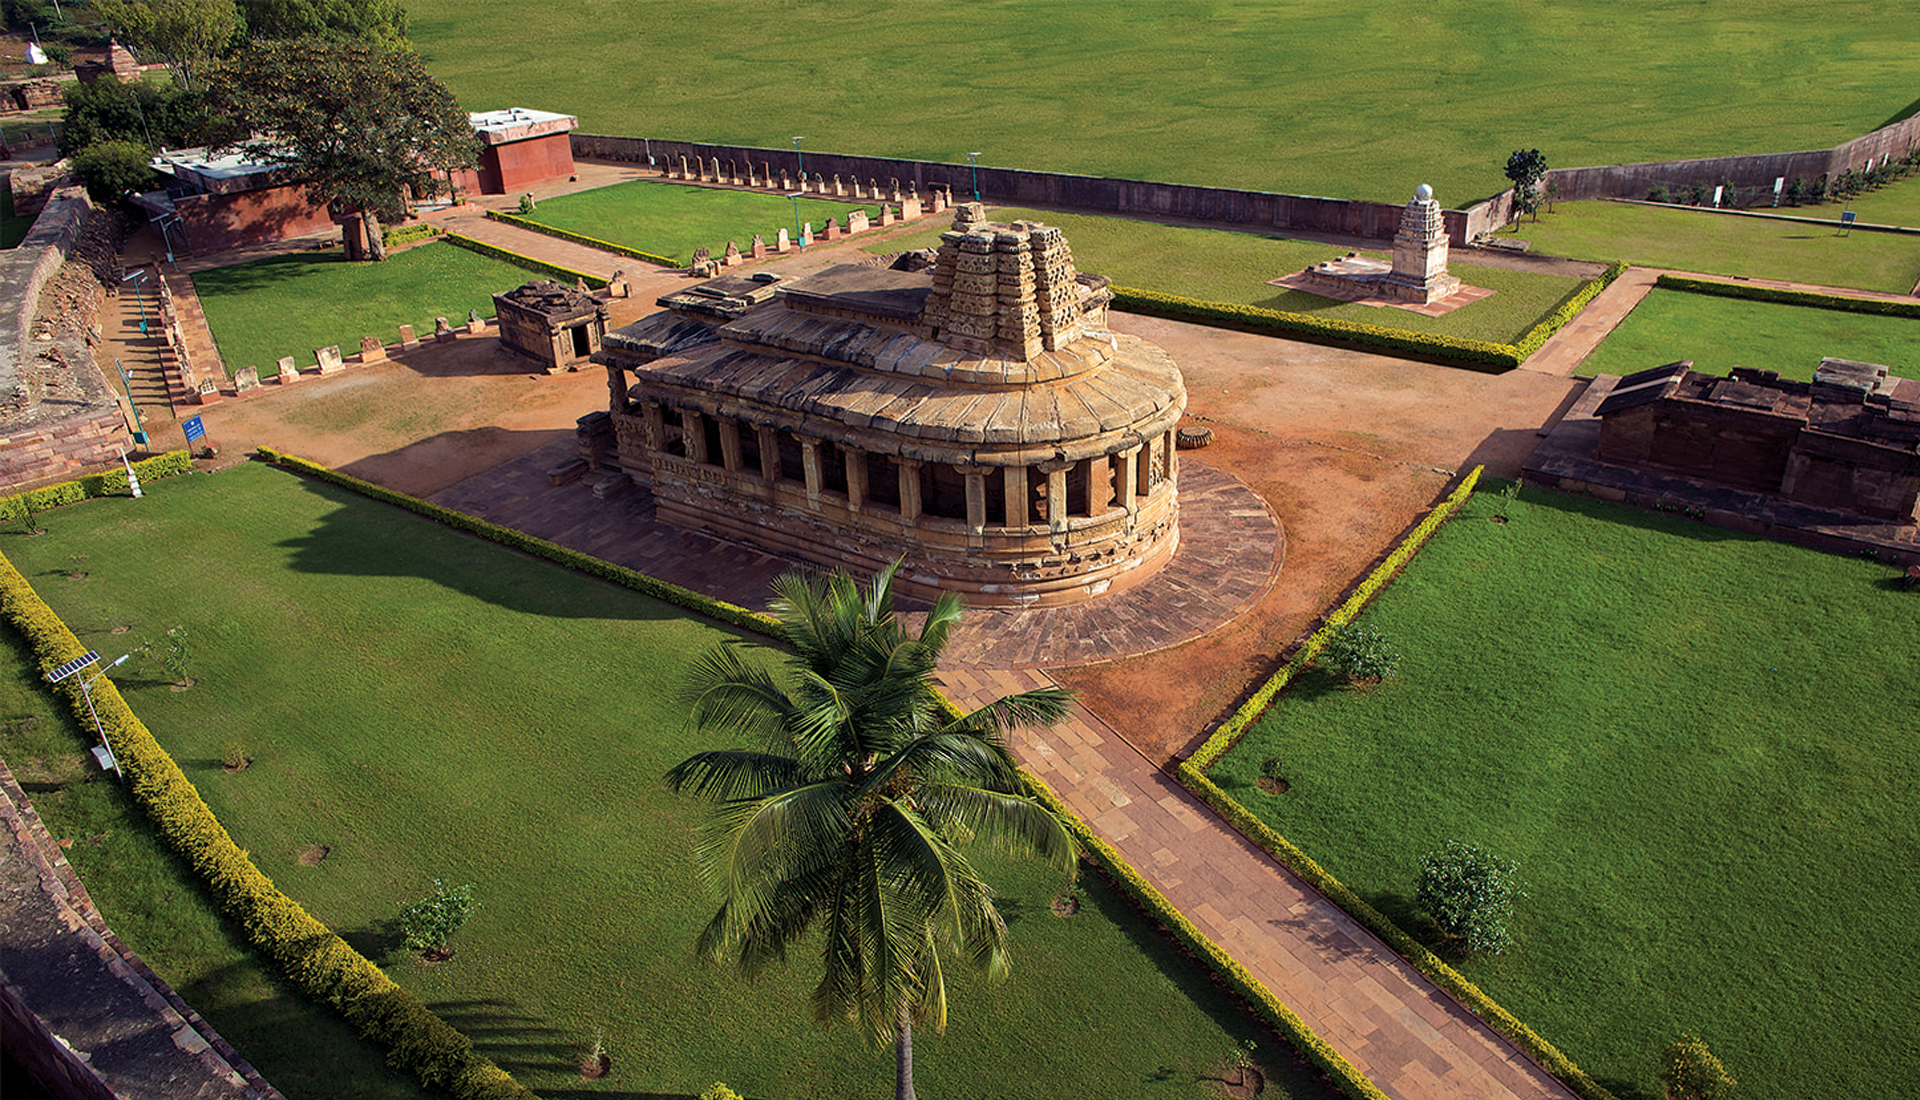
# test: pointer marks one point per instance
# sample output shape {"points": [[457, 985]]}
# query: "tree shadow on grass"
{"points": [[514, 1040], [369, 538]]}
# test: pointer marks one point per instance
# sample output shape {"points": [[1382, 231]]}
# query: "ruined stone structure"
{"points": [[1849, 440], [975, 417], [558, 326], [1419, 270]]}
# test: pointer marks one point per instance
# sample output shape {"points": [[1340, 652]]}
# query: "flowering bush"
{"points": [[1469, 892], [1691, 1072]]}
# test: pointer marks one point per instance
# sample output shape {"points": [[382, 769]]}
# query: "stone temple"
{"points": [[1418, 274], [975, 417]]}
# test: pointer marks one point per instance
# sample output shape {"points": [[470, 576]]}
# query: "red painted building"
{"points": [[520, 148]]}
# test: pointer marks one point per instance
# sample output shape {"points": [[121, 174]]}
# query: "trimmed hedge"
{"points": [[581, 238], [94, 485], [1474, 353], [540, 548], [306, 951], [1192, 774], [1236, 977], [538, 267], [1841, 302]]}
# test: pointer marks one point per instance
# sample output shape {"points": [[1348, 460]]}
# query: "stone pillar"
{"points": [[729, 443], [693, 433], [1057, 500], [976, 503], [655, 424], [856, 464], [769, 452], [1143, 477], [1016, 504], [1126, 469], [1172, 452], [1099, 477], [810, 462], [909, 489]]}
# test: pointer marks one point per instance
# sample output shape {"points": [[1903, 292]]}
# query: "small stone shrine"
{"points": [[1419, 271], [1848, 440], [975, 417], [558, 326]]}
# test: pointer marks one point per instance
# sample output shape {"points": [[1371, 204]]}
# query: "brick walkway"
{"points": [[1396, 1027]]}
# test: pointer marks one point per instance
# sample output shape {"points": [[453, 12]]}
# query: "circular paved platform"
{"points": [[1231, 548]]}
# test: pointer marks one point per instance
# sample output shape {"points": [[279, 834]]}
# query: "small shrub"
{"points": [[429, 923], [234, 756], [719, 1091], [1360, 655], [526, 203], [172, 655], [1658, 194], [1691, 1072], [1469, 892]]}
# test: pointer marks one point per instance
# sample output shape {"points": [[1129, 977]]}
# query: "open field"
{"points": [[674, 219], [158, 908], [290, 305], [1359, 100], [1218, 266], [424, 704], [1725, 244], [1699, 748], [1719, 334]]}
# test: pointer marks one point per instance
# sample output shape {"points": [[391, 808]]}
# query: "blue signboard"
{"points": [[193, 428]]}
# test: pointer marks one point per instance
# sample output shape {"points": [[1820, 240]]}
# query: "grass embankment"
{"points": [[1725, 244], [1218, 266], [13, 227], [290, 305], [153, 901], [1699, 748], [1719, 334], [423, 704], [1292, 96], [672, 219]]}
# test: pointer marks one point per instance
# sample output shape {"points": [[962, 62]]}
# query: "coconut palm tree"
{"points": [[852, 815]]}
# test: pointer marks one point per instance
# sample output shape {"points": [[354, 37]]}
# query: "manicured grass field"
{"points": [[157, 907], [1355, 100], [674, 219], [13, 228], [1719, 334], [290, 305], [1723, 244], [1218, 266], [1699, 747], [425, 704], [1895, 204]]}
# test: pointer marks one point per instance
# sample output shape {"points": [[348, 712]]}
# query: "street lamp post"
{"points": [[973, 161], [799, 242], [802, 158], [138, 276]]}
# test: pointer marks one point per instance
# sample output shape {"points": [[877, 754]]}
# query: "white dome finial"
{"points": [[1423, 192]]}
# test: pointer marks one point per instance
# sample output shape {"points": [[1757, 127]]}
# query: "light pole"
{"points": [[138, 275], [801, 157], [798, 241], [104, 754], [139, 429], [973, 161]]}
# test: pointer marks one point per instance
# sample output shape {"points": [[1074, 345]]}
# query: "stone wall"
{"points": [[214, 223], [1264, 210], [1225, 207]]}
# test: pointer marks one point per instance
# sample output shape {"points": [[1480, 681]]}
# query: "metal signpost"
{"points": [[195, 431], [1847, 218]]}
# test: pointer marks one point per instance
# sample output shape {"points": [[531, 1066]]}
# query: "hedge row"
{"points": [[581, 238], [93, 485], [539, 267], [1192, 775], [540, 548], [1841, 302], [1230, 730], [1476, 353], [1315, 1049], [306, 951], [393, 238]]}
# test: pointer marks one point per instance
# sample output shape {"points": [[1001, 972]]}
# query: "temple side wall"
{"points": [[214, 223]]}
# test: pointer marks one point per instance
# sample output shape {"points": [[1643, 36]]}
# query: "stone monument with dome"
{"points": [[1418, 275]]}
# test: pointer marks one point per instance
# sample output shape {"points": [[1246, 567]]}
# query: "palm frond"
{"points": [[1036, 709], [942, 617], [724, 692], [1004, 822], [730, 774]]}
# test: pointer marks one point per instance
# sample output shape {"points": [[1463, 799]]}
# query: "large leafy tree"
{"points": [[362, 123], [154, 115], [188, 35], [1526, 168], [852, 813], [383, 21]]}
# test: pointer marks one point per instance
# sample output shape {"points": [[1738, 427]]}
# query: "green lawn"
{"points": [[1894, 204], [1355, 100], [1722, 244], [672, 220], [290, 305], [1719, 334], [1699, 747], [156, 905], [1219, 266], [425, 704], [13, 228]]}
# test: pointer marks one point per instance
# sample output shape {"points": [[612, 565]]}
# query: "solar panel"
{"points": [[73, 666]]}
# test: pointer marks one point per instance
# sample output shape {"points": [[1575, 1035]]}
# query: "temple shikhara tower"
{"points": [[1420, 253], [975, 416]]}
